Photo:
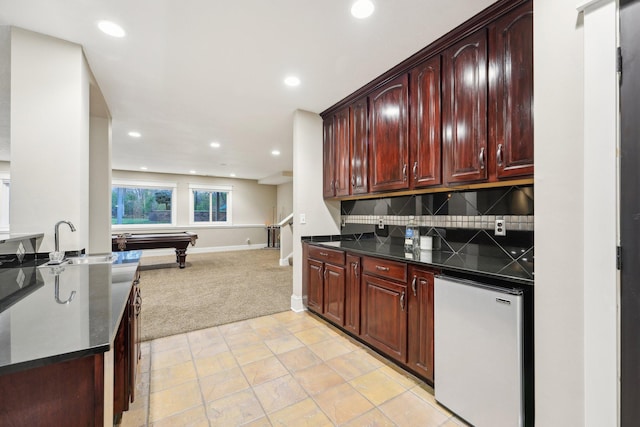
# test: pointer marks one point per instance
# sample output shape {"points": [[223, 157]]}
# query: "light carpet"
{"points": [[214, 289]]}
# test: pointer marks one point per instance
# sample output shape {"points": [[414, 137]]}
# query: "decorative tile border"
{"points": [[475, 222]]}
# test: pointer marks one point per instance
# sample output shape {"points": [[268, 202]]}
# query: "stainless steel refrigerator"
{"points": [[478, 351]]}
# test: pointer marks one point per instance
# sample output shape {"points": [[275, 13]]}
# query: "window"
{"points": [[142, 204], [210, 205]]}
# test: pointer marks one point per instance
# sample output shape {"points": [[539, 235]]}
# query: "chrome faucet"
{"points": [[57, 240]]}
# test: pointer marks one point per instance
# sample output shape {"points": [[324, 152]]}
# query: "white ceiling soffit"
{"points": [[191, 72], [277, 178]]}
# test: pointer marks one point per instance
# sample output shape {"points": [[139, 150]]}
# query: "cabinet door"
{"points": [[334, 282], [352, 295], [420, 332], [359, 147], [425, 136], [384, 316], [314, 285], [465, 110], [511, 92], [341, 143], [388, 136], [328, 163]]}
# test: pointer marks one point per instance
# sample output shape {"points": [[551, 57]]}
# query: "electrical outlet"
{"points": [[380, 224], [501, 228]]}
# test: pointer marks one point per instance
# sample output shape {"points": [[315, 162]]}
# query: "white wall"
{"points": [[5, 91], [49, 138], [285, 200], [252, 207], [322, 218], [559, 224]]}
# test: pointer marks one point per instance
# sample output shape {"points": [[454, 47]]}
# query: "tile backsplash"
{"points": [[463, 222]]}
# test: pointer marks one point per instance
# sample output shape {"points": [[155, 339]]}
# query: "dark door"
{"points": [[315, 281], [328, 162], [420, 328], [359, 144], [464, 110], [425, 136], [389, 136], [511, 93], [341, 175], [334, 293], [352, 295], [384, 316], [630, 214]]}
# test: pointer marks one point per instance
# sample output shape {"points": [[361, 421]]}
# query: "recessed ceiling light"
{"points": [[232, 175], [362, 9], [215, 144], [275, 152], [144, 168], [134, 134], [111, 28], [292, 81], [192, 172]]}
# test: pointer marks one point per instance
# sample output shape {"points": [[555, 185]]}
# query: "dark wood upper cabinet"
{"points": [[388, 136], [359, 147], [465, 110], [328, 163], [511, 92], [341, 141], [336, 158], [425, 130]]}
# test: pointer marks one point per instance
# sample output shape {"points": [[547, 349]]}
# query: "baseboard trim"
{"points": [[298, 303], [196, 250]]}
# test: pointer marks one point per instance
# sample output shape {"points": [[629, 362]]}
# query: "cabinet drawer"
{"points": [[385, 268], [331, 256]]}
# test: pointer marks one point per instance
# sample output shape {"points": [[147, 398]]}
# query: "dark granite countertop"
{"points": [[501, 268], [41, 324]]}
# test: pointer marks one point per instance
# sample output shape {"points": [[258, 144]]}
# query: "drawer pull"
{"points": [[324, 254], [381, 268]]}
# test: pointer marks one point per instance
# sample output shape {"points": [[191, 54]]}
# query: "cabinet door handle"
{"points": [[353, 181], [404, 172], [499, 155], [481, 158], [325, 274], [415, 170], [355, 269], [413, 286], [381, 268], [402, 301]]}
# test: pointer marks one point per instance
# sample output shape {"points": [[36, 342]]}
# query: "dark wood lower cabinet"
{"points": [[352, 295], [314, 278], [334, 276], [69, 393], [420, 327], [384, 316]]}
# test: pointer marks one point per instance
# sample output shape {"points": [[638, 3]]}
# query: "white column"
{"points": [[49, 138], [601, 278], [322, 218], [559, 214]]}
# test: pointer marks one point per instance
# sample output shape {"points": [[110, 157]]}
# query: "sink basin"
{"points": [[91, 259]]}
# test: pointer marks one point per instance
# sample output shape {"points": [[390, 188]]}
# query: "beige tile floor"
{"points": [[287, 369]]}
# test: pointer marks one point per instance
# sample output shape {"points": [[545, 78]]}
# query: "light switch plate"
{"points": [[501, 228], [303, 218]]}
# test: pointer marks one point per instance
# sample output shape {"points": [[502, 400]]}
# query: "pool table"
{"points": [[132, 241]]}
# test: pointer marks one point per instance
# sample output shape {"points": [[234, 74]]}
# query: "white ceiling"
{"points": [[194, 71]]}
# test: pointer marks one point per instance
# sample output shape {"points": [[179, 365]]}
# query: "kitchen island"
{"points": [[68, 346]]}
